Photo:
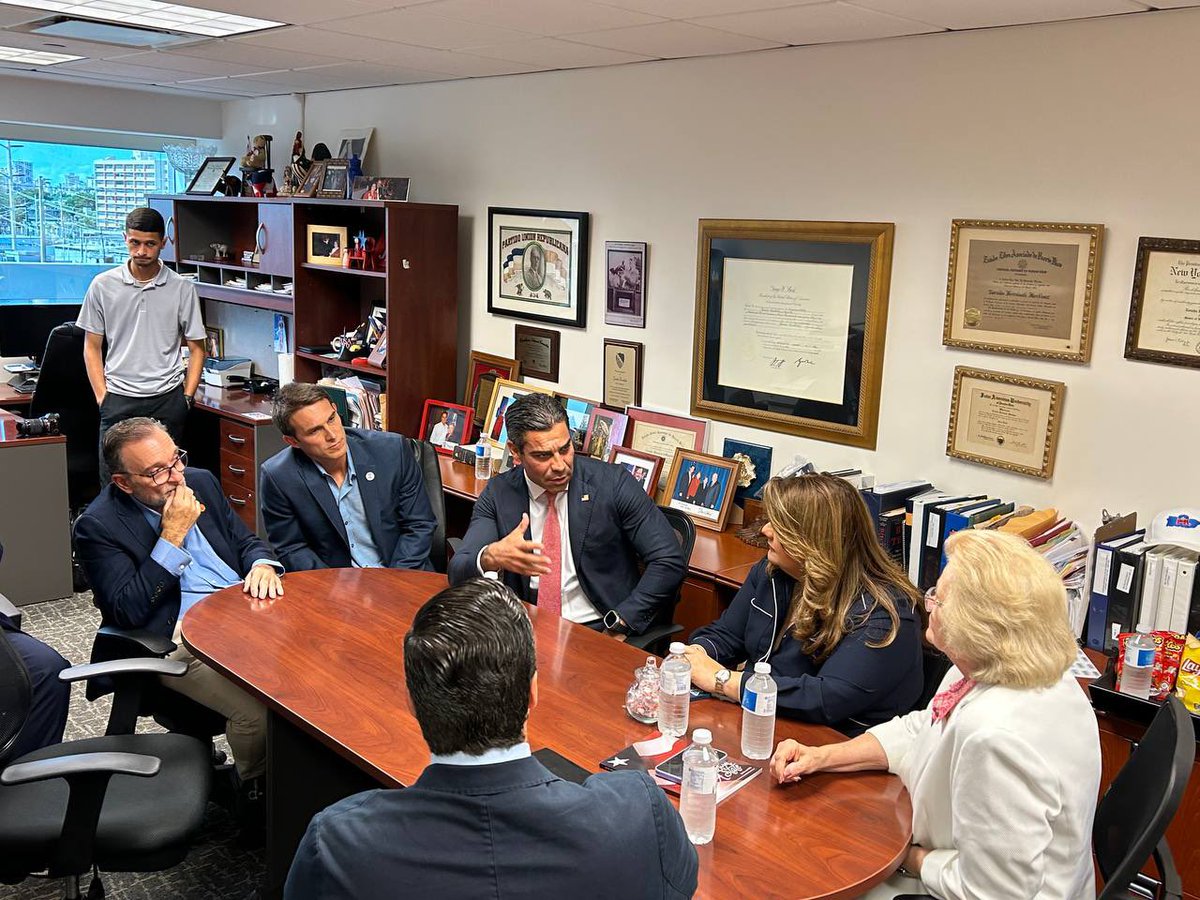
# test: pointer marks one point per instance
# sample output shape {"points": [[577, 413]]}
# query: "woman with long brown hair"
{"points": [[830, 611]]}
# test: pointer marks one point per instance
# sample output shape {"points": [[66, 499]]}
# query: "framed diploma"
{"points": [[790, 325], [1007, 421], [537, 265], [661, 434], [1164, 314], [703, 487], [622, 373], [1027, 288], [537, 350]]}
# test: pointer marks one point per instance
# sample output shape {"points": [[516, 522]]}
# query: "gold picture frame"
{"points": [[1164, 311], [790, 325], [1007, 421], [325, 245], [1026, 288], [495, 431], [689, 490]]}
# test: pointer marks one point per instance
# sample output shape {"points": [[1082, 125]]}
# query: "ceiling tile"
{"points": [[122, 70], [691, 9], [546, 17], [300, 12], [157, 59], [15, 15], [557, 54], [1171, 4], [424, 30], [818, 24], [344, 75], [245, 87], [261, 58], [671, 40], [962, 14]]}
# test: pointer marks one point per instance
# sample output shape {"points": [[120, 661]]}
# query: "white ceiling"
{"points": [[338, 44]]}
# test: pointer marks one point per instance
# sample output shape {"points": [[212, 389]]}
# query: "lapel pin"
{"points": [[370, 476], [585, 497]]}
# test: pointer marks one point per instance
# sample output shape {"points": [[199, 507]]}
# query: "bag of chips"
{"points": [[1187, 688], [1168, 651]]}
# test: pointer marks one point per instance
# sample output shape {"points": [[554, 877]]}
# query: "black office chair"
{"points": [[1134, 813], [656, 638], [935, 664], [120, 803], [63, 388], [431, 473]]}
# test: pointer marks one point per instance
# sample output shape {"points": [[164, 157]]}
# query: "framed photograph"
{"points": [[579, 414], [446, 425], [505, 392], [325, 245], [335, 175], [1164, 313], [1007, 421], [214, 342], [354, 142], [646, 468], [483, 370], [661, 434], [378, 354], [606, 429], [537, 265], [756, 467], [365, 187], [209, 176], [622, 373], [537, 350], [312, 180], [625, 295], [1027, 288], [790, 325], [702, 486]]}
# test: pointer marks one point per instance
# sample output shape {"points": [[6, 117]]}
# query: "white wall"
{"points": [[1079, 122]]}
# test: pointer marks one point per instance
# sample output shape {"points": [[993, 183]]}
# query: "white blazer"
{"points": [[1003, 793]]}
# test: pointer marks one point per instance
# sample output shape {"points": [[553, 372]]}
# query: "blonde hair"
{"points": [[824, 525], [1004, 615]]}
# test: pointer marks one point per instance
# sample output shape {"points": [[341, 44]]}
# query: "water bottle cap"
{"points": [[678, 647], [1143, 629], [762, 668], [701, 736]]}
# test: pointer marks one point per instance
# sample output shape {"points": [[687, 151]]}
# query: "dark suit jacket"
{"points": [[502, 831], [613, 523], [302, 518], [113, 541]]}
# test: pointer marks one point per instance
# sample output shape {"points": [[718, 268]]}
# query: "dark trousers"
{"points": [[50, 698], [169, 408]]}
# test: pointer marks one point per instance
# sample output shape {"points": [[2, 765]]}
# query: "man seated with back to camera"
{"points": [[159, 539], [485, 818], [566, 531], [340, 497]]}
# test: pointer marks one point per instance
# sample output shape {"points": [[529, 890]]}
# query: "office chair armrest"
{"points": [[77, 764], [653, 635], [151, 665], [1172, 884], [8, 608], [455, 544], [132, 642]]}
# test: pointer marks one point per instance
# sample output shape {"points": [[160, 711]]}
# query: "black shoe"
{"points": [[252, 814]]}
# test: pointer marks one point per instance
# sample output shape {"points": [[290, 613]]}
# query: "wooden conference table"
{"points": [[326, 659]]}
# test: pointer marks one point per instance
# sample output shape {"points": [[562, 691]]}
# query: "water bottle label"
{"points": [[1139, 658], [701, 781], [759, 704], [672, 683]]}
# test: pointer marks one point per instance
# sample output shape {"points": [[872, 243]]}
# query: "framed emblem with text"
{"points": [[537, 265]]}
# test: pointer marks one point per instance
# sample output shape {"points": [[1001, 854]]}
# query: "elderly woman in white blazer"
{"points": [[1003, 767]]}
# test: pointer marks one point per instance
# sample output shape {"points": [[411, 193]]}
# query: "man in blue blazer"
{"points": [[340, 497], [159, 539], [486, 818], [606, 523]]}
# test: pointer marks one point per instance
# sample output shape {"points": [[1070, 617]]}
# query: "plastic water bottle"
{"points": [[758, 713], [698, 795], [483, 461], [1138, 669], [674, 692]]}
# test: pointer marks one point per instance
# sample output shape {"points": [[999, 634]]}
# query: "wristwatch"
{"points": [[612, 622], [721, 679], [189, 399]]}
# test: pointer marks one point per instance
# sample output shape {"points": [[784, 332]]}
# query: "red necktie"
{"points": [[550, 584]]}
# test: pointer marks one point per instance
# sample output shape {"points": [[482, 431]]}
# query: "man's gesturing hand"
{"points": [[515, 554]]}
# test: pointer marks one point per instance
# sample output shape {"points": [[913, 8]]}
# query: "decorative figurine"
{"points": [[257, 180], [297, 169]]}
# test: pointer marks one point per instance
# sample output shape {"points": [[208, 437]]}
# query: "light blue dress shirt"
{"points": [[363, 552], [486, 758]]}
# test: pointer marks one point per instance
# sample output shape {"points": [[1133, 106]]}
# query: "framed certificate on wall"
{"points": [[1164, 313]]}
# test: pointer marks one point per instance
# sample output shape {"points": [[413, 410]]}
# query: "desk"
{"points": [[11, 399], [326, 660]]}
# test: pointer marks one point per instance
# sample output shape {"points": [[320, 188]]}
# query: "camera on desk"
{"points": [[42, 426]]}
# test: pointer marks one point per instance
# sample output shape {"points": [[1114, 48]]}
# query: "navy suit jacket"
{"points": [[502, 831], [302, 518], [612, 524], [113, 542], [856, 686]]}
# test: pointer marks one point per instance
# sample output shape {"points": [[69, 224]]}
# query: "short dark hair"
{"points": [[290, 399], [126, 432], [468, 663], [533, 412], [143, 218]]}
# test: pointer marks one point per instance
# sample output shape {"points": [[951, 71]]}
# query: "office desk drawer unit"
{"points": [[244, 448]]}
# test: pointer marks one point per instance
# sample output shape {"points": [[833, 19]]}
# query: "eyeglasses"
{"points": [[931, 599], [162, 474]]}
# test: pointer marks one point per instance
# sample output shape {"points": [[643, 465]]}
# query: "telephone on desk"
{"points": [[23, 383]]}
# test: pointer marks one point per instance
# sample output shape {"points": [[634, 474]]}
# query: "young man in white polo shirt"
{"points": [[144, 310]]}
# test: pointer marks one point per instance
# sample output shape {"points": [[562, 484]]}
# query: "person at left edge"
{"points": [[143, 310], [340, 497]]}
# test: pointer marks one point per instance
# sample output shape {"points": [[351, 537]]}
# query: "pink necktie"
{"points": [[550, 584], [945, 702]]}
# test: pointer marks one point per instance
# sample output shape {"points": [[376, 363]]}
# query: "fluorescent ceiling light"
{"points": [[152, 14], [34, 57]]}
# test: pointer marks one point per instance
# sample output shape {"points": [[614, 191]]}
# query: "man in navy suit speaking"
{"points": [[486, 818], [566, 532], [340, 497]]}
